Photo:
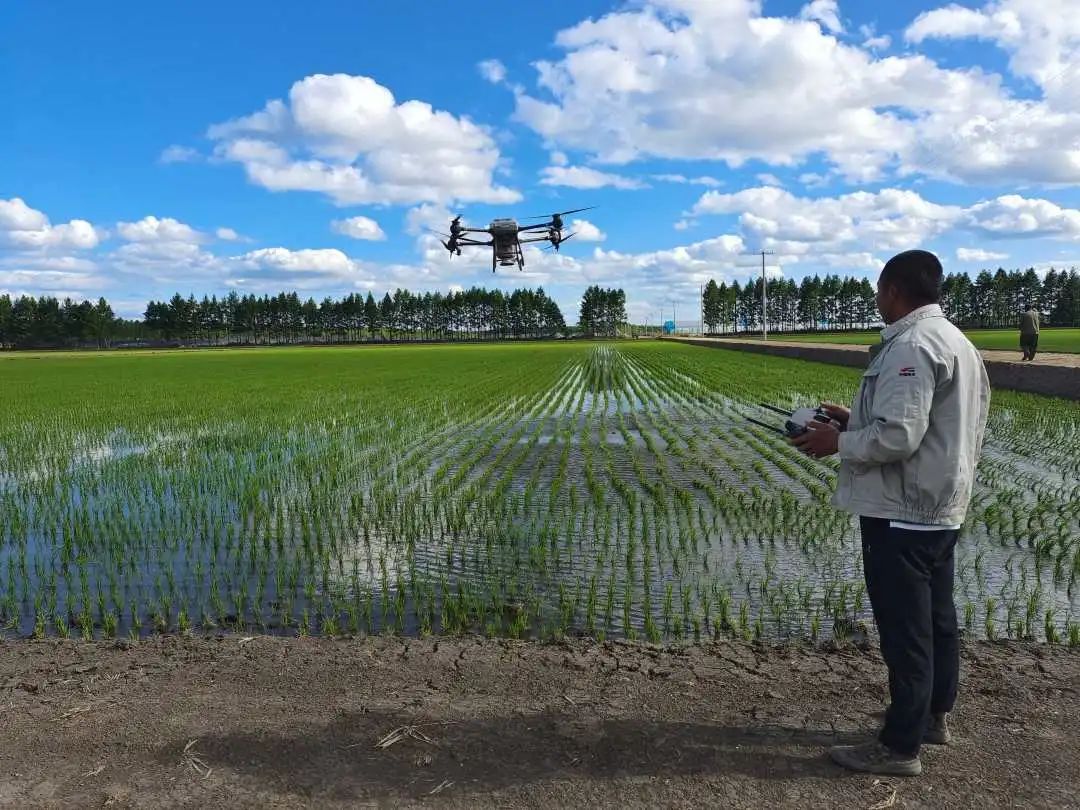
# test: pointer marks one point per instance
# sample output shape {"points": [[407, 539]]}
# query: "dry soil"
{"points": [[267, 722]]}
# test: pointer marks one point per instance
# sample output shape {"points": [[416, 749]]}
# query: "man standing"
{"points": [[1029, 332], [908, 449]]}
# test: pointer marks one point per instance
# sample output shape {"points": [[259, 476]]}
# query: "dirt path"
{"points": [[1062, 359], [272, 722], [1050, 374]]}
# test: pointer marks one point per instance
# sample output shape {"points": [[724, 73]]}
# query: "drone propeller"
{"points": [[561, 214]]}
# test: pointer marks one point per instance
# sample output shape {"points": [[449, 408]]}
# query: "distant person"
{"points": [[908, 449], [1029, 332]]}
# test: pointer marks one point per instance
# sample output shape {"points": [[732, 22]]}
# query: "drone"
{"points": [[506, 237]]}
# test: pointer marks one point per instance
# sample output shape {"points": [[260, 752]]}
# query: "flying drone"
{"points": [[506, 237]]}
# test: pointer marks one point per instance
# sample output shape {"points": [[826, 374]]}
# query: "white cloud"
{"points": [[78, 234], [323, 260], [825, 12], [585, 231], [852, 229], [1042, 37], [27, 228], [36, 274], [179, 154], [59, 284], [16, 215], [979, 255], [348, 137], [585, 177], [683, 79], [270, 270], [492, 70], [891, 219], [163, 255], [227, 235], [152, 229], [358, 228], [953, 21], [1013, 216], [701, 180], [769, 179], [422, 217], [45, 261], [878, 43], [175, 258], [813, 179]]}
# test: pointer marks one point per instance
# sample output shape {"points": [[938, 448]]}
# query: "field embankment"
{"points": [[1052, 339], [1050, 374], [269, 722]]}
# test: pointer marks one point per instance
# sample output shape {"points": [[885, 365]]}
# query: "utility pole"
{"points": [[701, 307], [764, 295]]}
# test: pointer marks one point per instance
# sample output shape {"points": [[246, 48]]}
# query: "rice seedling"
{"points": [[536, 490]]}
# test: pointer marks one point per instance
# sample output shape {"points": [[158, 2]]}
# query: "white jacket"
{"points": [[917, 425]]}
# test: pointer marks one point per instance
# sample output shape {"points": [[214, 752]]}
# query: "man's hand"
{"points": [[820, 440], [837, 412]]}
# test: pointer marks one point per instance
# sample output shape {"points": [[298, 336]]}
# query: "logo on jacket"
{"points": [[907, 371]]}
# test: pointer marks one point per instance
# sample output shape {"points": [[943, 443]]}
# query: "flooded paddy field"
{"points": [[538, 490]]}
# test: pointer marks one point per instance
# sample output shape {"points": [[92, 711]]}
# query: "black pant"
{"points": [[1028, 344], [909, 578]]}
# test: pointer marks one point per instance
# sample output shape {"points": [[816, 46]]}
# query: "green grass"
{"points": [[1050, 339], [534, 489]]}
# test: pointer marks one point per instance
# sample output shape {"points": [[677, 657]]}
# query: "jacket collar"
{"points": [[895, 328]]}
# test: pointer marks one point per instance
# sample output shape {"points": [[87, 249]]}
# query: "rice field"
{"points": [[608, 489]]}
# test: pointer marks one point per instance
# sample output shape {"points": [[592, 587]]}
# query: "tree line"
{"points": [[473, 314], [45, 322], [603, 311], [991, 300]]}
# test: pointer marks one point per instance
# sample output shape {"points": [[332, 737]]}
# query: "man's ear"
{"points": [[890, 292]]}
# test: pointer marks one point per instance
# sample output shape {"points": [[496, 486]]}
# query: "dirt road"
{"points": [[271, 722], [1050, 374]]}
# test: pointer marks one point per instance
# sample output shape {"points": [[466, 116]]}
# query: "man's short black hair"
{"points": [[916, 275]]}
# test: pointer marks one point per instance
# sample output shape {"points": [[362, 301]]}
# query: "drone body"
{"points": [[506, 238]]}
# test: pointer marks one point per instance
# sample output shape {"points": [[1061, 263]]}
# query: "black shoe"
{"points": [[937, 733]]}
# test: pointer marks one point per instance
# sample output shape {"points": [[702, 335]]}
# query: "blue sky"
{"points": [[205, 147]]}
